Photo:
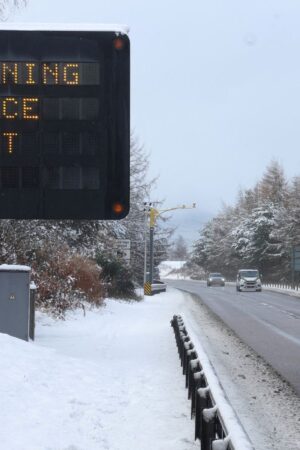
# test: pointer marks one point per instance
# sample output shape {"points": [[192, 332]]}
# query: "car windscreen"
{"points": [[249, 273], [215, 275]]}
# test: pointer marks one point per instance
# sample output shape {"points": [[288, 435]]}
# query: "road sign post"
{"points": [[121, 249]]}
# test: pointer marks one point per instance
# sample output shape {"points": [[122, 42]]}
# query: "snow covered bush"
{"points": [[117, 276], [65, 280], [86, 275]]}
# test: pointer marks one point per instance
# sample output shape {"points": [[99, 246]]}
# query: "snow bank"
{"points": [[109, 380], [14, 268], [167, 267]]}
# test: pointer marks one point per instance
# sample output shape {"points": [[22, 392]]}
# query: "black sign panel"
{"points": [[64, 124]]}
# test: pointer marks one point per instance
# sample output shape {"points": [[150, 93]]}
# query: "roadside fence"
{"points": [[210, 427], [283, 286]]}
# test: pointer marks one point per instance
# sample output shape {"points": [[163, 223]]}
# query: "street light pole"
{"points": [[154, 213], [151, 254], [147, 209], [145, 246]]}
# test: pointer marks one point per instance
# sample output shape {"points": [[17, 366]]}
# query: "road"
{"points": [[267, 321]]}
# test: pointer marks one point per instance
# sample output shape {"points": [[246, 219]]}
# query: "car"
{"points": [[248, 280], [215, 279]]}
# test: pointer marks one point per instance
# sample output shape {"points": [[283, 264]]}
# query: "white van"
{"points": [[248, 280]]}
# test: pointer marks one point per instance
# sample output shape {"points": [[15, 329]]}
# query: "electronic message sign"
{"points": [[64, 124]]}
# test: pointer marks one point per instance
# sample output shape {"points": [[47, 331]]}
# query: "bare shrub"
{"points": [[86, 277], [65, 280]]}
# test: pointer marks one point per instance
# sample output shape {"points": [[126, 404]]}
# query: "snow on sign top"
{"points": [[124, 29], [14, 268]]}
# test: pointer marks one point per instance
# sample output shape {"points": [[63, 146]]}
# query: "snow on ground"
{"points": [[167, 269], [112, 381], [109, 380]]}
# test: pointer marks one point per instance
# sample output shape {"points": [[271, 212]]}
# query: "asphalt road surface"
{"points": [[267, 321]]}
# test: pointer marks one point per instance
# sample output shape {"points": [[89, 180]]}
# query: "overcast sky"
{"points": [[215, 90]]}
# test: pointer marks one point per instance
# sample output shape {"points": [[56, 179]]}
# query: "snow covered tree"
{"points": [[253, 241], [134, 225], [288, 228], [292, 215], [117, 276], [6, 6], [162, 237], [248, 200], [258, 231], [179, 250], [213, 251], [273, 186]]}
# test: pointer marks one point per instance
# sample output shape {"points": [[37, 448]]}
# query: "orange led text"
{"points": [[34, 73], [13, 108]]}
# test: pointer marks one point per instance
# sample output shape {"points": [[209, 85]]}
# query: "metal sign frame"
{"points": [[65, 130]]}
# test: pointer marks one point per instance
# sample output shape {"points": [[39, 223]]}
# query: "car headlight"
{"points": [[210, 279], [258, 281], [242, 281], [223, 279]]}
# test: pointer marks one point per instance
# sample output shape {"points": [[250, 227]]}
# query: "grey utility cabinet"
{"points": [[15, 300]]}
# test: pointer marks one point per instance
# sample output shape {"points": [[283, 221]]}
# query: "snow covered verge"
{"points": [[111, 380], [107, 380]]}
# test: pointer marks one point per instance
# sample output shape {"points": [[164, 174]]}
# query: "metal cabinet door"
{"points": [[14, 304]]}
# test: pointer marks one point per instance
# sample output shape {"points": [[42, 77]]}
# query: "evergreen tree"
{"points": [[258, 231], [273, 186]]}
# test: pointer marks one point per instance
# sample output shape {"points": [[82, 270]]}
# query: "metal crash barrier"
{"points": [[210, 427]]}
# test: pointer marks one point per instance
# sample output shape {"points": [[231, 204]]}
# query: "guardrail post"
{"points": [[208, 427], [202, 402], [186, 341], [187, 347], [184, 338], [194, 366], [198, 381]]}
